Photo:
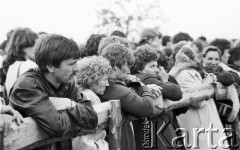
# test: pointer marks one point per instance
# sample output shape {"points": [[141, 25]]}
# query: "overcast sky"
{"points": [[76, 19]]}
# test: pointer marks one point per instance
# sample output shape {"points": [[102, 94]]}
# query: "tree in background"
{"points": [[129, 16]]}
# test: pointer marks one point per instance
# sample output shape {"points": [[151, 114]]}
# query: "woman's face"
{"points": [[151, 68], [211, 60], [100, 86], [225, 56]]}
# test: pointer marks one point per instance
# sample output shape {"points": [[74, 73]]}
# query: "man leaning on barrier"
{"points": [[56, 57]]}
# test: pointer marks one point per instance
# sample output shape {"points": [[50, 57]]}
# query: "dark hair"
{"points": [[181, 36], [143, 55], [143, 42], [221, 44], [234, 55], [118, 55], [53, 49], [163, 60], [20, 39], [168, 52], [165, 39], [91, 47], [213, 49], [118, 33], [203, 38], [3, 45]]}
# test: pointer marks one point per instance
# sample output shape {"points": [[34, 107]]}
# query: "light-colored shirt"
{"points": [[15, 70]]}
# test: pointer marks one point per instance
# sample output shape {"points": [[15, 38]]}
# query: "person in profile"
{"points": [[56, 57]]}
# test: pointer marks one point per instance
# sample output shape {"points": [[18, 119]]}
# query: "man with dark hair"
{"points": [[181, 36], [56, 57], [92, 44], [133, 102]]}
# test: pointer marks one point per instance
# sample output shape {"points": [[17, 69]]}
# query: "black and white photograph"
{"points": [[119, 75]]}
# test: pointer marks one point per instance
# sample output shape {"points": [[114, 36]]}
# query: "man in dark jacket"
{"points": [[56, 57], [141, 104]]}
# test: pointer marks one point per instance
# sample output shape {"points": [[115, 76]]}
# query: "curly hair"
{"points": [[143, 55], [110, 40], [221, 44], [91, 70], [118, 55]]}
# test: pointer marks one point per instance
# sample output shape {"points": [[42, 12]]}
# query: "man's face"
{"points": [[123, 72], [66, 70]]}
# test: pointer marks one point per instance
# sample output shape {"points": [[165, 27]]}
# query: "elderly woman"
{"points": [[146, 69], [92, 79], [201, 115]]}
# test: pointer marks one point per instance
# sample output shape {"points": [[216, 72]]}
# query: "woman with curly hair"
{"points": [[92, 79], [20, 55], [146, 69]]}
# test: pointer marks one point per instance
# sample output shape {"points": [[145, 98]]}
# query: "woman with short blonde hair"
{"points": [[92, 79]]}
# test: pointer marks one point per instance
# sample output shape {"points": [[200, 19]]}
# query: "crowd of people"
{"points": [[56, 82]]}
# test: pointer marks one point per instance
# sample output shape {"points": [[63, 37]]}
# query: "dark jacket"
{"points": [[170, 91], [30, 96], [132, 104], [224, 77], [234, 74]]}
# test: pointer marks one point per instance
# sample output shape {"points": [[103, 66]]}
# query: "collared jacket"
{"points": [[171, 91], [131, 104], [30, 96]]}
